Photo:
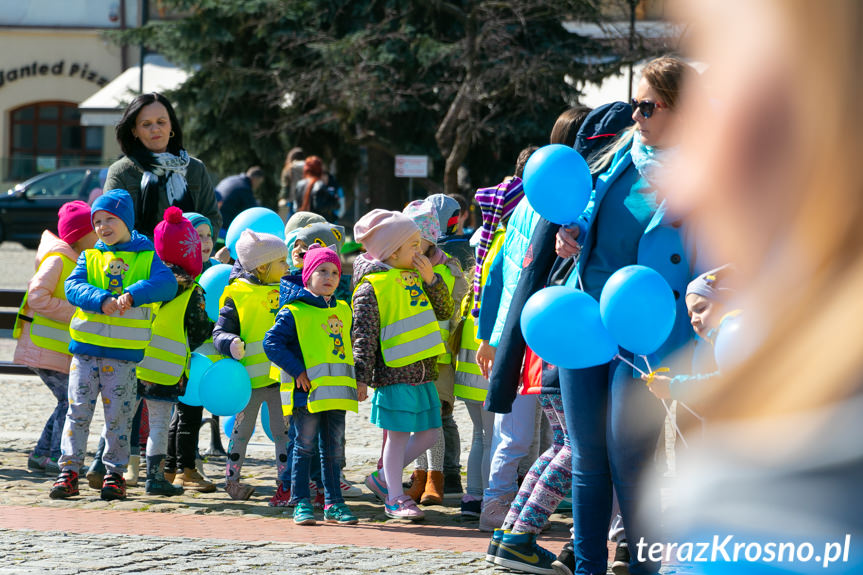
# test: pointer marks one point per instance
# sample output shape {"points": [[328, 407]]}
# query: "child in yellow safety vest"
{"points": [[398, 301], [248, 309], [180, 326], [427, 480], [117, 287], [42, 325], [310, 341]]}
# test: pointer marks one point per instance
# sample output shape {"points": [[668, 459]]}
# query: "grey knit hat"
{"points": [[256, 249]]}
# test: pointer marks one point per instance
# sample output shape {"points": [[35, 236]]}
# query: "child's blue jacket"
{"points": [[160, 286]]}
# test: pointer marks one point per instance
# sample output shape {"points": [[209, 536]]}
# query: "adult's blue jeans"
{"points": [[613, 422], [331, 425]]}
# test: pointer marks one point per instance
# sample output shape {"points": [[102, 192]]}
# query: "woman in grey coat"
{"points": [[156, 170]]}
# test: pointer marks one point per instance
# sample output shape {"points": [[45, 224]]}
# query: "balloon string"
{"points": [[671, 418], [630, 364], [578, 278], [690, 410]]}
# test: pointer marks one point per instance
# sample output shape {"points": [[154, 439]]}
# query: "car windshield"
{"points": [[59, 184]]}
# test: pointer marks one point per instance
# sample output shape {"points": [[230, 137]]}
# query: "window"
{"points": [[49, 135]]}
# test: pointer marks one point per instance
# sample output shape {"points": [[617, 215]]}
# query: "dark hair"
{"points": [[522, 159], [295, 154], [567, 124], [255, 172], [131, 145]]}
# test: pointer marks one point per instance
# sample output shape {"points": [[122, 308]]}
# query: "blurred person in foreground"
{"points": [[771, 170]]}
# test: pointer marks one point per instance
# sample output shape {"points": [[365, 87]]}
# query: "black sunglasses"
{"points": [[646, 107]]}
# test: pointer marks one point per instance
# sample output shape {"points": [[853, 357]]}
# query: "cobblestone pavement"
{"points": [[210, 532]]}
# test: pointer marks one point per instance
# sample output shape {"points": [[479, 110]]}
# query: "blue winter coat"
{"points": [[160, 286], [667, 245]]}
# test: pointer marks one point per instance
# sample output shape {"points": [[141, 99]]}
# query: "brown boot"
{"points": [[191, 479], [434, 489], [418, 484]]}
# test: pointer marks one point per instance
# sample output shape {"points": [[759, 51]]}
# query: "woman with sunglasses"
{"points": [[612, 418]]}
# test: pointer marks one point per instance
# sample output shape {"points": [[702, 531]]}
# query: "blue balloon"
{"points": [[638, 309], [197, 366], [228, 426], [265, 420], [557, 183], [562, 326], [225, 387], [261, 220], [735, 341], [214, 281]]}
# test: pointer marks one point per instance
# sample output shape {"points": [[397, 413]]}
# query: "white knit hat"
{"points": [[256, 249]]}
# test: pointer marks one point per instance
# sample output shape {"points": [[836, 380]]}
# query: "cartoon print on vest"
{"points": [[272, 302], [114, 272], [333, 327], [411, 282]]}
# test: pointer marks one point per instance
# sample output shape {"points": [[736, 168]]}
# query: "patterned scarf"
{"points": [[496, 205], [173, 168], [650, 161]]}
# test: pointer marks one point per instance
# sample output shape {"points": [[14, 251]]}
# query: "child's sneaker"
{"points": [[519, 551], [620, 565], [494, 511], [341, 514], [282, 498], [317, 495], [37, 462], [403, 507], [52, 466], [65, 486], [376, 486], [565, 562], [471, 507], [349, 490], [114, 487], [96, 474], [304, 513], [493, 544], [239, 491]]}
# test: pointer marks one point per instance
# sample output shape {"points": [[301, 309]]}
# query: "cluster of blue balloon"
{"points": [[568, 328], [261, 220], [223, 387], [557, 183]]}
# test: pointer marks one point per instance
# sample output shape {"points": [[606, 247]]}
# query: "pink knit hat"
{"points": [[316, 256], [382, 232], [177, 242], [73, 221]]}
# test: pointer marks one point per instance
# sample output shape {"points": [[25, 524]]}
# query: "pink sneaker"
{"points": [[403, 507], [377, 486], [282, 498], [317, 495]]}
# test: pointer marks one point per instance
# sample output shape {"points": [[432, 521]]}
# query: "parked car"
{"points": [[32, 205]]}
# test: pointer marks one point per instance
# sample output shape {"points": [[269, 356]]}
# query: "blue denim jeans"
{"points": [[613, 423], [331, 425], [511, 439], [49, 440]]}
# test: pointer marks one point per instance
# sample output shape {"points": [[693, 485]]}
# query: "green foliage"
{"points": [[468, 82]]}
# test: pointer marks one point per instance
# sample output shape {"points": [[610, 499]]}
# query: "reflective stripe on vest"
{"points": [[469, 381], [286, 388], [47, 333], [409, 328], [449, 280], [208, 350], [257, 306], [326, 348], [167, 356], [115, 271]]}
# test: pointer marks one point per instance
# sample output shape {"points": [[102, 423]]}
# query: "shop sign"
{"points": [[72, 70]]}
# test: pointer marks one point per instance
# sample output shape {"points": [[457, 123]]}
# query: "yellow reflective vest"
{"points": [[166, 359], [45, 332], [449, 280], [257, 306], [409, 327], [114, 271], [469, 381], [324, 335]]}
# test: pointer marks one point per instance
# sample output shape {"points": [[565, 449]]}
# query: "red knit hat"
{"points": [[177, 242], [316, 256], [73, 221]]}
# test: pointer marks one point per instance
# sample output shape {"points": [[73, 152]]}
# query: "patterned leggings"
{"points": [[244, 425], [550, 478]]}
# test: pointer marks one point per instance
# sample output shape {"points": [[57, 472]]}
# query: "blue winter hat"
{"points": [[117, 202], [197, 219], [713, 284]]}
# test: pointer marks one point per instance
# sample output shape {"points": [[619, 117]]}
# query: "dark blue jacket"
{"points": [[159, 287], [228, 325], [237, 195]]}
